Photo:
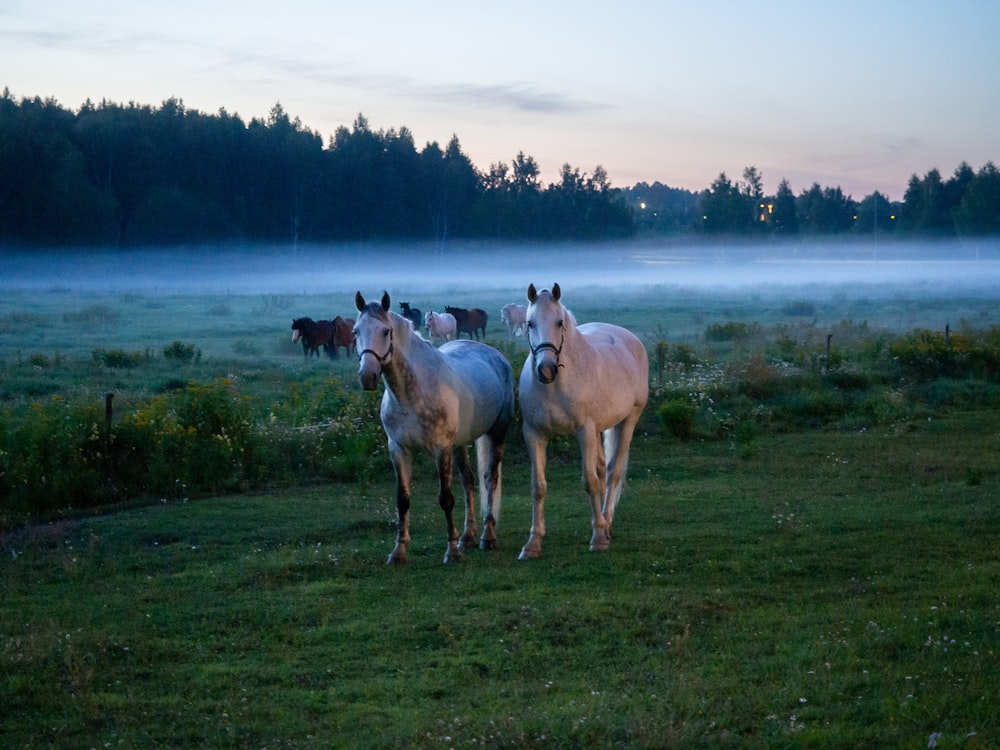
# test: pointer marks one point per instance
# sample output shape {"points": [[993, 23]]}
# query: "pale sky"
{"points": [[857, 94]]}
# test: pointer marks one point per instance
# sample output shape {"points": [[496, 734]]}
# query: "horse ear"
{"points": [[556, 292], [359, 302], [385, 301], [532, 294]]}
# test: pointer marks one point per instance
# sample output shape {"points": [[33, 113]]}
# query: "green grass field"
{"points": [[811, 562]]}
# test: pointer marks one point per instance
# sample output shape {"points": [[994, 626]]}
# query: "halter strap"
{"points": [[380, 358], [548, 345]]}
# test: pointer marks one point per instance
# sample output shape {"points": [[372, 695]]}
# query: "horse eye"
{"points": [[560, 324]]}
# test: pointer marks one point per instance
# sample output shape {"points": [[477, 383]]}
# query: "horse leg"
{"points": [[489, 453], [537, 445], [446, 499], [594, 481], [401, 463], [468, 477]]}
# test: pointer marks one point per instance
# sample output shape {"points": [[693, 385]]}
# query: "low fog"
{"points": [[970, 268]]}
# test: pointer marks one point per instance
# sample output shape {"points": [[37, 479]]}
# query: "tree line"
{"points": [[134, 175], [131, 175], [965, 205]]}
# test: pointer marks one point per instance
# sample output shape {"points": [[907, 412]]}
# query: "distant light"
{"points": [[643, 205]]}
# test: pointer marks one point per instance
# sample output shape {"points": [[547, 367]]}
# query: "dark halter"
{"points": [[380, 358], [548, 345]]}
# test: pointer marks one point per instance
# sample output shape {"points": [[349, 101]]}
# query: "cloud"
{"points": [[517, 96]]}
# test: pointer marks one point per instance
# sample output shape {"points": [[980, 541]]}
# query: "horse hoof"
{"points": [[467, 541], [489, 544], [529, 554], [396, 560]]}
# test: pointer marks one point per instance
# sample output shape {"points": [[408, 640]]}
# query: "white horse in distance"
{"points": [[514, 317], [440, 325]]}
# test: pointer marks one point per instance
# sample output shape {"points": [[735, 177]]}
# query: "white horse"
{"points": [[513, 316], [438, 400], [440, 325], [590, 381]]}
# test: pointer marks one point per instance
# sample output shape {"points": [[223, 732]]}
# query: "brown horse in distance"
{"points": [[313, 334], [343, 336], [469, 321]]}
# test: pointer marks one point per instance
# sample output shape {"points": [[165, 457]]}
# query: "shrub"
{"points": [[189, 440], [731, 331], [181, 352], [52, 461], [117, 358], [195, 440], [927, 355], [677, 416], [849, 379], [758, 378]]}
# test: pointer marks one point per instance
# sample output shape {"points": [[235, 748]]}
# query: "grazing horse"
{"points": [[438, 400], [513, 316], [313, 334], [440, 325], [343, 336], [469, 321], [412, 314], [591, 381]]}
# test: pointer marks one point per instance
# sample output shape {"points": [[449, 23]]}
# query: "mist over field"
{"points": [[971, 268]]}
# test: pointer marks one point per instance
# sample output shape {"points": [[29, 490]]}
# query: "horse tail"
{"points": [[484, 451], [616, 465]]}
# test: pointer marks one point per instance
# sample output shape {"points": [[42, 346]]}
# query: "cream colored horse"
{"points": [[513, 316], [440, 325], [591, 381]]}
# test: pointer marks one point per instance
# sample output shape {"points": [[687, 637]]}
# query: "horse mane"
{"points": [[402, 328], [570, 318]]}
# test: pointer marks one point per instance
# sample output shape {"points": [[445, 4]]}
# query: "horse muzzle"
{"points": [[547, 364], [370, 367], [368, 379], [546, 372]]}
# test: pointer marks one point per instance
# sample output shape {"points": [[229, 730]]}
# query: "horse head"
{"points": [[547, 320], [373, 333]]}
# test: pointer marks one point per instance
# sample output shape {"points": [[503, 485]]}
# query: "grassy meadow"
{"points": [[806, 552]]}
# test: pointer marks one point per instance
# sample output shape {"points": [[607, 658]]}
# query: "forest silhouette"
{"points": [[132, 175]]}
